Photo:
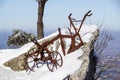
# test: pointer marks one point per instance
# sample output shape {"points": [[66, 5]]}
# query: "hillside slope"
{"points": [[71, 63]]}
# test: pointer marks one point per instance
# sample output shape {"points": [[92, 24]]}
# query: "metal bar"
{"points": [[62, 44], [70, 31], [71, 22], [87, 14]]}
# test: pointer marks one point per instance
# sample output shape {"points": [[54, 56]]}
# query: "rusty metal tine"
{"points": [[69, 17], [77, 21], [62, 44], [74, 20], [70, 31], [87, 14], [71, 22]]}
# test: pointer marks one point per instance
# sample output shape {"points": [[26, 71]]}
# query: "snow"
{"points": [[70, 61]]}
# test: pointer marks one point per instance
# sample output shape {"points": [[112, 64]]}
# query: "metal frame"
{"points": [[54, 58]]}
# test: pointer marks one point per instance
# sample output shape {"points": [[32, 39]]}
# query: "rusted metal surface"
{"points": [[53, 59], [42, 55]]}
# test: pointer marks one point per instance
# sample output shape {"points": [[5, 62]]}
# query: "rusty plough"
{"points": [[53, 59]]}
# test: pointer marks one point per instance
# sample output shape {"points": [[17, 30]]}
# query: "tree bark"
{"points": [[40, 25]]}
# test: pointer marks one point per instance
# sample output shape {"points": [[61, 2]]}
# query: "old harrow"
{"points": [[42, 55]]}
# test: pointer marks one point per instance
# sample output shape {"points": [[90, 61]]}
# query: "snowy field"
{"points": [[70, 61]]}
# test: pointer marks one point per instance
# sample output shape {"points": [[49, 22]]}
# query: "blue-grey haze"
{"points": [[113, 45]]}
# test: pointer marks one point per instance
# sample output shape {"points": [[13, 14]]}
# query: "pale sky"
{"points": [[22, 14]]}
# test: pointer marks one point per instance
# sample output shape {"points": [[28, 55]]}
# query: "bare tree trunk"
{"points": [[40, 25]]}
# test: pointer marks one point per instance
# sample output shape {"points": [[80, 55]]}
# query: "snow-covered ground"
{"points": [[70, 61]]}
